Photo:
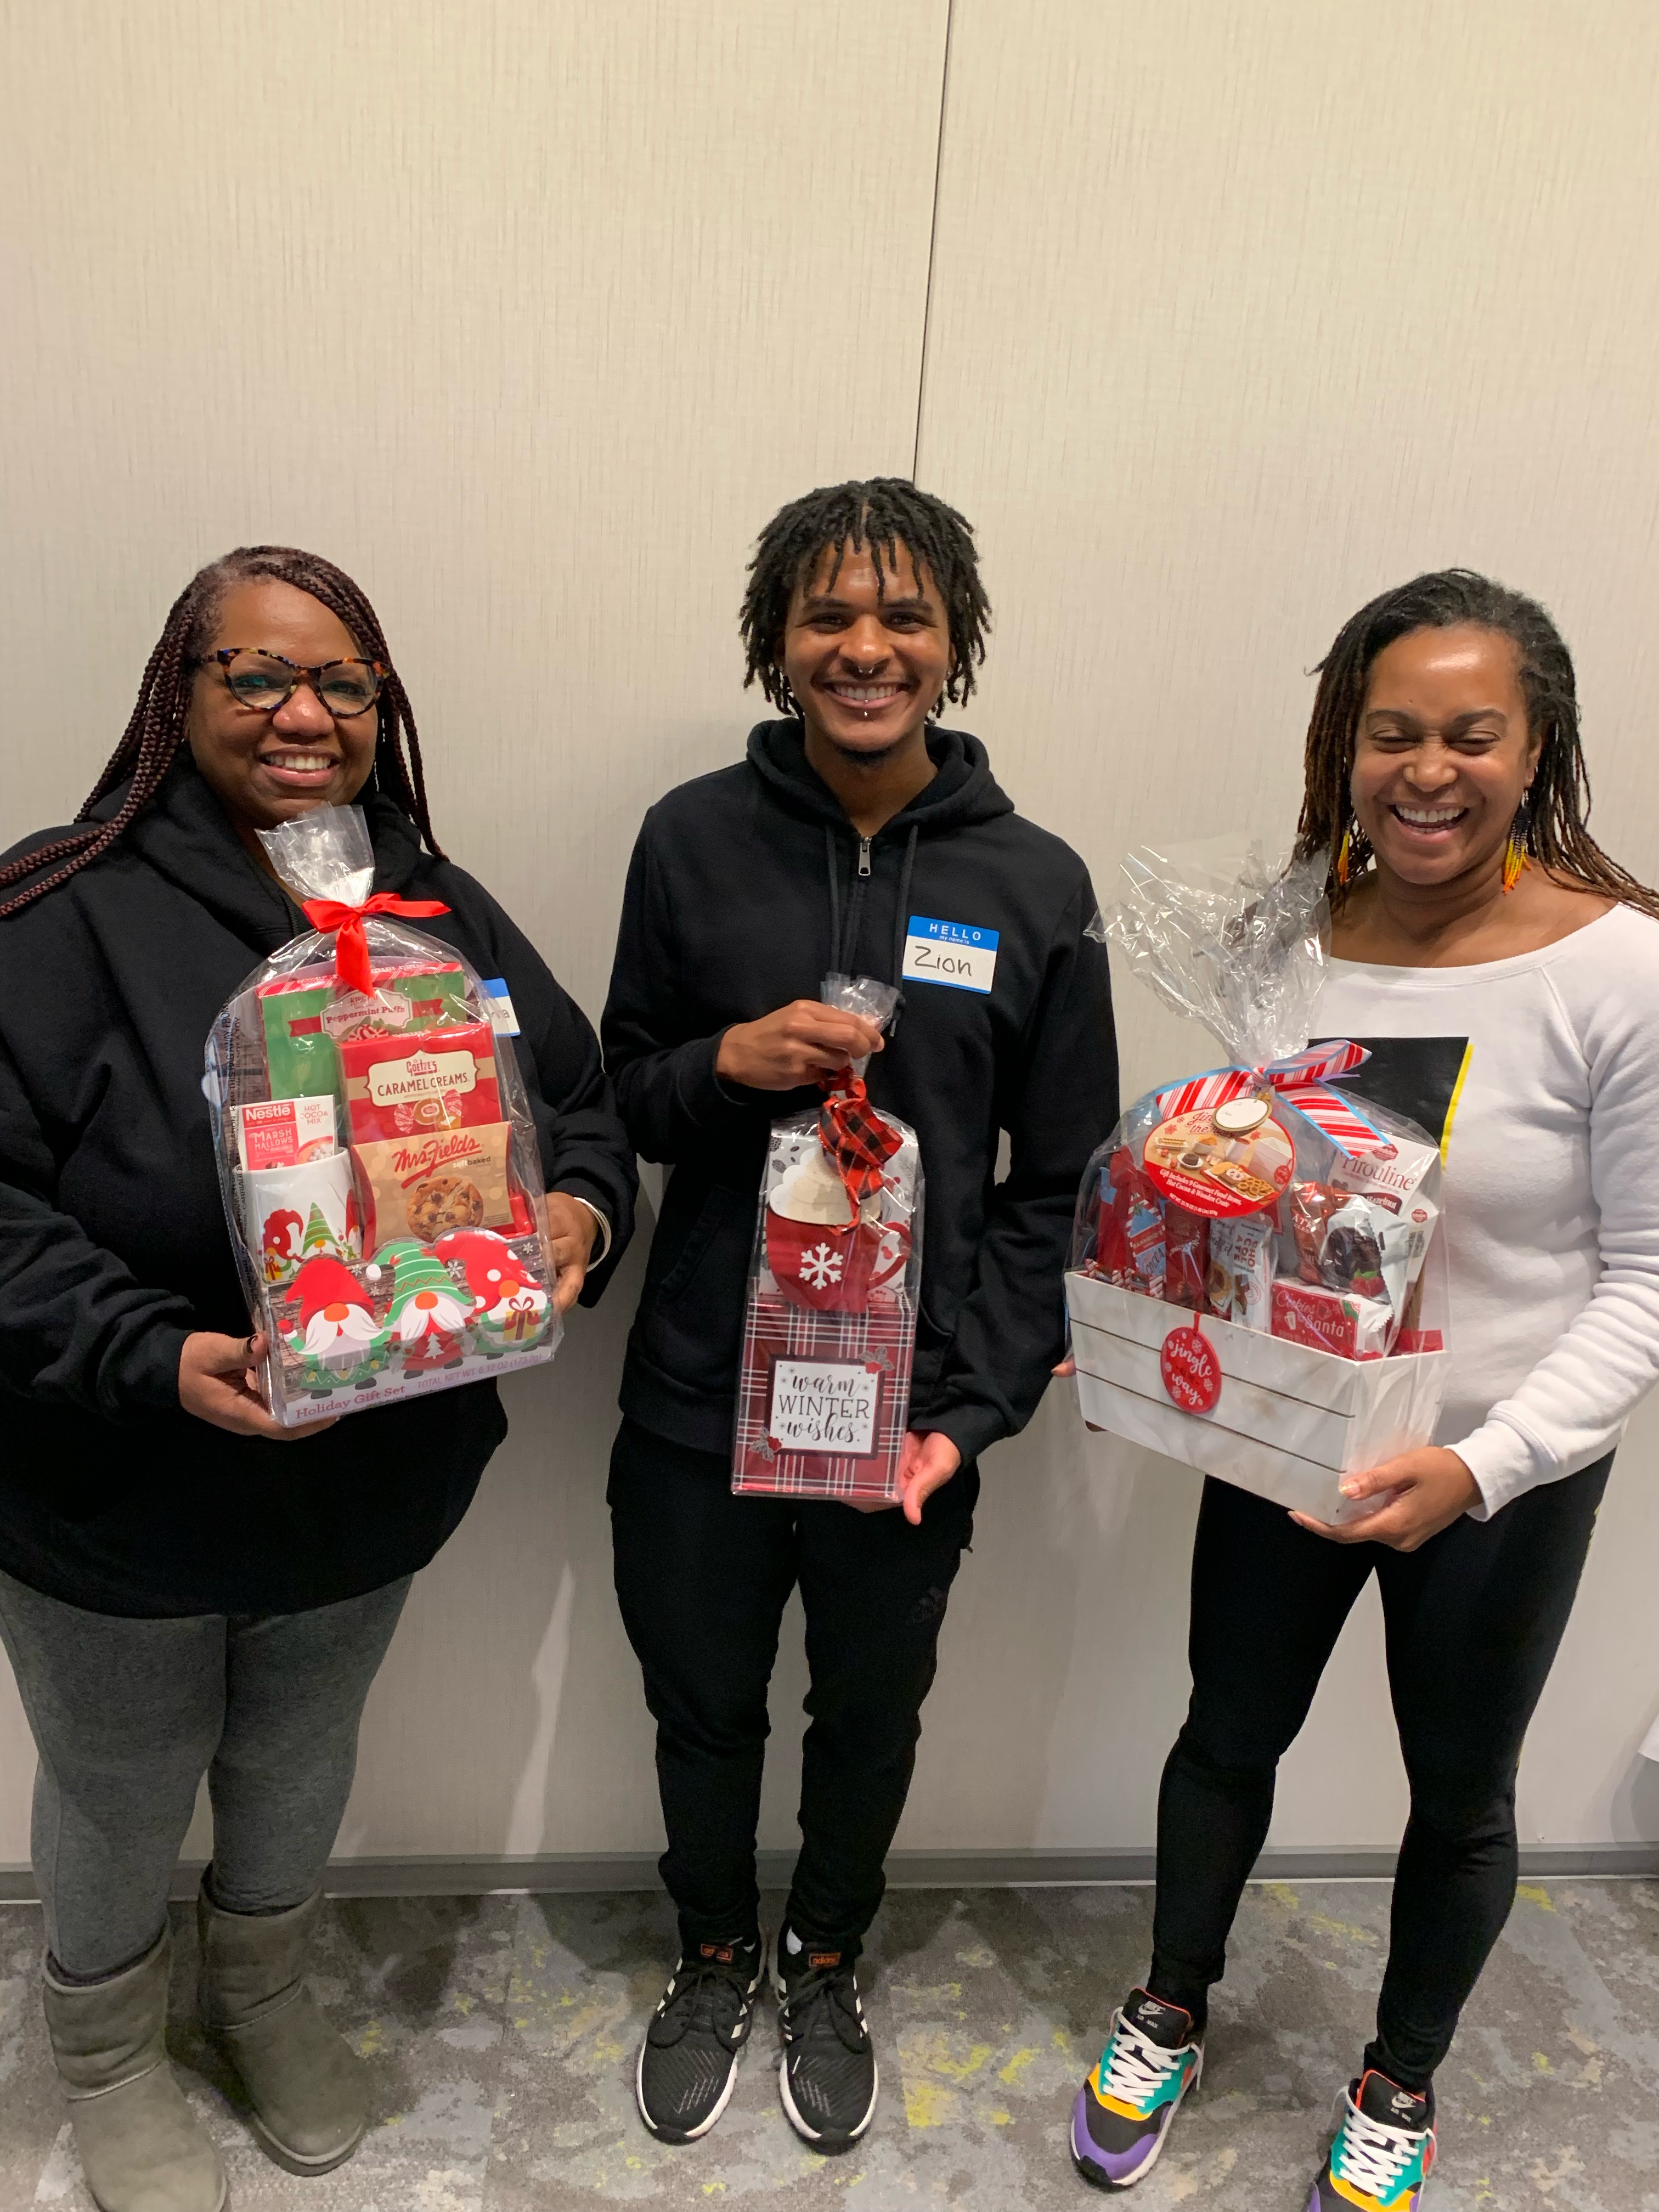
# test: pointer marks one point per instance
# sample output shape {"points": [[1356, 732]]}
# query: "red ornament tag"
{"points": [[1191, 1371]]}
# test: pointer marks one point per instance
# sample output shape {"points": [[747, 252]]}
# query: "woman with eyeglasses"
{"points": [[185, 1587]]}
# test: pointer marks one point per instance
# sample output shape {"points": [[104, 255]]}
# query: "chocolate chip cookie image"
{"points": [[444, 1202]]}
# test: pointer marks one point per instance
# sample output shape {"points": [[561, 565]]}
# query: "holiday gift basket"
{"points": [[1256, 1285], [830, 1323], [376, 1152]]}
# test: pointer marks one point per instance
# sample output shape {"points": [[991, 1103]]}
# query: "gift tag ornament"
{"points": [[1191, 1371]]}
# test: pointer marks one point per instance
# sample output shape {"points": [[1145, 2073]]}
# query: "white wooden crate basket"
{"points": [[1290, 1421]]}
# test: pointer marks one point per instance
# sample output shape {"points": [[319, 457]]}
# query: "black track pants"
{"points": [[1472, 1622], [702, 1579]]}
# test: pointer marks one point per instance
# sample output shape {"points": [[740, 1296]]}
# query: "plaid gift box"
{"points": [[822, 1398]]}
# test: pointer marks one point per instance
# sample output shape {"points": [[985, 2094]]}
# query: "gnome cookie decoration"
{"points": [[428, 1314], [338, 1341], [509, 1307]]}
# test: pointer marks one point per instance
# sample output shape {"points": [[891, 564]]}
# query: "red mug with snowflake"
{"points": [[832, 1266]]}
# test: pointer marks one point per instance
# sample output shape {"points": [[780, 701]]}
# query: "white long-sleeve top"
{"points": [[1550, 1192]]}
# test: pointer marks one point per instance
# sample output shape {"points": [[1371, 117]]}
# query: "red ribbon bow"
{"points": [[351, 963], [858, 1140]]}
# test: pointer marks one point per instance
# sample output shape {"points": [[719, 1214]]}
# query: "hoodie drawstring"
{"points": [[835, 967], [902, 918]]}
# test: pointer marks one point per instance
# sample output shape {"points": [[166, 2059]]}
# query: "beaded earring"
{"points": [[1344, 857], [1516, 857]]}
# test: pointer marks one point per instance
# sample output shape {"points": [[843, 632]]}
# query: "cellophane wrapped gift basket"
{"points": [[830, 1324], [376, 1152], [1256, 1285]]}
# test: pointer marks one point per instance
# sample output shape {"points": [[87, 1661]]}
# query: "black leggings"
{"points": [[1473, 1621]]}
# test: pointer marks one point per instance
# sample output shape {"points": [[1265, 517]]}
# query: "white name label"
{"points": [[824, 1406], [953, 953], [502, 1020]]}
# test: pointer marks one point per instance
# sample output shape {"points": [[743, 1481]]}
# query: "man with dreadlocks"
{"points": [[184, 1586], [854, 826], [1504, 974]]}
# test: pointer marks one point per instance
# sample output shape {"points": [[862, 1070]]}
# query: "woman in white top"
{"points": [[1505, 973]]}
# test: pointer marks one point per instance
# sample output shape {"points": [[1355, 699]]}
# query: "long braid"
{"points": [[883, 513], [156, 726], [1556, 831]]}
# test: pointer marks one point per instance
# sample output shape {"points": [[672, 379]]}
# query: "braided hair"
{"points": [[884, 513], [152, 736], [1551, 827]]}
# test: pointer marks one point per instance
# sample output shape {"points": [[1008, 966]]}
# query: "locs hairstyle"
{"points": [[884, 514], [154, 734], [1551, 827]]}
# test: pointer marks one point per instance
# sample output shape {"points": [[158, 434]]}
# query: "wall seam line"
{"points": [[933, 240]]}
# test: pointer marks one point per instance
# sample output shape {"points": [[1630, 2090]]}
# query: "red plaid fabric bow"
{"points": [[351, 963], [858, 1140]]}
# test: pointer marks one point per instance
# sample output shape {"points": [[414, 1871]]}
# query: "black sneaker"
{"points": [[689, 2060], [827, 2076]]}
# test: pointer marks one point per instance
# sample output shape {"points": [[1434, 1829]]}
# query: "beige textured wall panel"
{"points": [[1241, 313], [530, 315]]}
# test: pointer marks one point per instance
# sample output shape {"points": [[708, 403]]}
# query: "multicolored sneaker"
{"points": [[1125, 2108], [1381, 2152]]}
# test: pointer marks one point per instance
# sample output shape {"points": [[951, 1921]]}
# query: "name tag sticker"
{"points": [[502, 1020], [954, 952]]}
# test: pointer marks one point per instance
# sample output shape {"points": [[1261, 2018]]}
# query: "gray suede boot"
{"points": [[141, 2150], [303, 2079]]}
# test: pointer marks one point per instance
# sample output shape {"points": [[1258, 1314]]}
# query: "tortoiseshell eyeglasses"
{"points": [[266, 680]]}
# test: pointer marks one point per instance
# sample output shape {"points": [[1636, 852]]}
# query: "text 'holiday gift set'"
{"points": [[1255, 1287], [376, 1152]]}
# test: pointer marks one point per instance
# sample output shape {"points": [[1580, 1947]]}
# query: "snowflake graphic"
{"points": [[821, 1267]]}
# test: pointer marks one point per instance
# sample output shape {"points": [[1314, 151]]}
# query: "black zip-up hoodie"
{"points": [[746, 887], [113, 1244]]}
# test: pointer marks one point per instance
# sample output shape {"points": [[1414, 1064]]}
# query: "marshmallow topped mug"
{"points": [[822, 1255]]}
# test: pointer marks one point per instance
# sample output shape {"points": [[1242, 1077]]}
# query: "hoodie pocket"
{"points": [[691, 1323]]}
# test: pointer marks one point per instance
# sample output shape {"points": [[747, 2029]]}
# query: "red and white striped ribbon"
{"points": [[1300, 1080]]}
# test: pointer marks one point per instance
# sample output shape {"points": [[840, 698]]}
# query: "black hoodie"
{"points": [[747, 887], [113, 1244]]}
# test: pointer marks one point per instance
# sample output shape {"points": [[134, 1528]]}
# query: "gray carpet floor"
{"points": [[500, 2032]]}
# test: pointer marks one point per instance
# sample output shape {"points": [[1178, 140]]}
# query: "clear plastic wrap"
{"points": [[835, 1283], [377, 1157], [1285, 1227]]}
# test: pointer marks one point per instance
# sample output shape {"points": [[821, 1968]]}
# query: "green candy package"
{"points": [[305, 1018]]}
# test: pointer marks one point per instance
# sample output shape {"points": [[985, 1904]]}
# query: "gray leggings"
{"points": [[127, 1715]]}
